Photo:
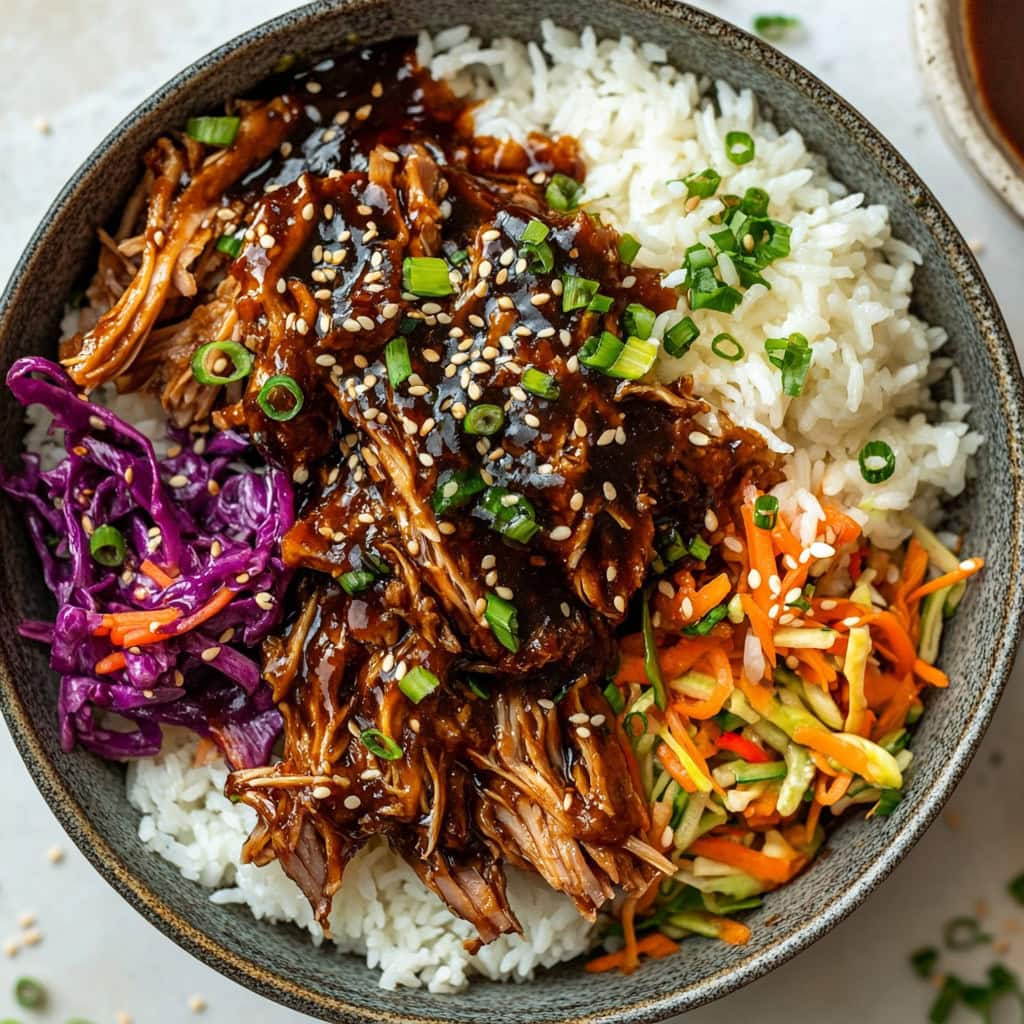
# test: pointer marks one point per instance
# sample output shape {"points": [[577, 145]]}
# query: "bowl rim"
{"points": [[949, 93], [1001, 355]]}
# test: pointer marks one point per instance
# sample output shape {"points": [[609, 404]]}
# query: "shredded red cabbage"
{"points": [[217, 528]]}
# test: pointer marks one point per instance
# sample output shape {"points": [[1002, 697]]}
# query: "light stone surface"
{"points": [[70, 70]]}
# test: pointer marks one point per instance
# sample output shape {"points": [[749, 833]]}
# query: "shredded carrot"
{"points": [[678, 729], [762, 558], [111, 663], [897, 640], [715, 701], [829, 793], [852, 758], [761, 625], [757, 865], [217, 603], [735, 933], [967, 568], [930, 674], [709, 596], [156, 574], [206, 751], [671, 764], [630, 958], [655, 945], [845, 528], [811, 826]]}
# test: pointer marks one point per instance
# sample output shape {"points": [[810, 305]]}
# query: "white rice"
{"points": [[383, 911], [846, 286]]}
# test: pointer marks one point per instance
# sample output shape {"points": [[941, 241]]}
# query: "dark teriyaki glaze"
{"points": [[516, 755], [994, 31]]}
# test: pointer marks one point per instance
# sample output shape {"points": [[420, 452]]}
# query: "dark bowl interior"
{"points": [[88, 794]]}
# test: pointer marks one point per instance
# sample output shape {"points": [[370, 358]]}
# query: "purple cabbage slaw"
{"points": [[221, 528]]}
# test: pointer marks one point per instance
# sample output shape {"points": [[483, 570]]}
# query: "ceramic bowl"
{"points": [[88, 795], [956, 100]]}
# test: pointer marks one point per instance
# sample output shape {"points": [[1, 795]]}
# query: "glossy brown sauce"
{"points": [[994, 31]]}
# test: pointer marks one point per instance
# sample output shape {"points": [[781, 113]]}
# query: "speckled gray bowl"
{"points": [[87, 795]]}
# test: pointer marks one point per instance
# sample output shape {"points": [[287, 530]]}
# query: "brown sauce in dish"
{"points": [[994, 31]]}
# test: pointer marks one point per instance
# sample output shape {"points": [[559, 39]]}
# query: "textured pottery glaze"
{"points": [[88, 795]]}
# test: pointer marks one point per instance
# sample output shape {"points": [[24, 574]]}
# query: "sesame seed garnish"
{"points": [[579, 718], [583, 732], [364, 111], [197, 1003], [666, 588], [560, 533], [620, 603], [507, 593], [606, 438], [352, 326], [321, 792], [576, 501], [546, 704], [540, 299], [446, 528], [325, 359], [531, 421], [488, 562], [54, 854], [565, 609], [773, 612], [545, 469], [210, 653], [352, 802], [609, 490], [753, 579], [710, 520], [178, 480], [819, 549], [264, 600], [699, 438], [968, 564]]}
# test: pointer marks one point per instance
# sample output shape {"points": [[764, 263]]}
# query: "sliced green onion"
{"points": [[503, 619], [635, 359], [238, 355], [563, 193], [725, 346], [613, 695], [396, 356], [484, 419], [945, 1002], [29, 994], [600, 304], [418, 682], [600, 352], [539, 257], [455, 488], [888, 801], [651, 667], [1016, 888], [766, 512], [538, 383], [700, 549], [679, 337], [748, 268], [356, 581], [964, 933], [285, 383], [383, 746], [458, 256], [698, 257], [702, 184], [577, 292], [775, 27], [638, 321], [535, 231], [877, 462], [426, 276], [739, 147], [629, 723], [795, 364], [477, 689], [106, 545], [628, 248], [512, 515], [755, 202], [708, 623], [231, 245], [725, 240], [923, 961], [707, 292], [213, 131]]}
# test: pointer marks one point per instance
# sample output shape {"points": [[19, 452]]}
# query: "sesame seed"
{"points": [[313, 87], [210, 653], [851, 621], [611, 573], [365, 322], [579, 428], [583, 732], [300, 475], [620, 603], [352, 802], [576, 501], [774, 585], [793, 595], [828, 604], [821, 550], [597, 721], [178, 480], [446, 528], [666, 588], [197, 1003], [567, 799], [264, 600], [579, 718], [699, 438], [54, 854], [565, 609], [546, 704], [545, 469], [325, 359], [352, 326], [606, 438], [753, 579], [773, 612], [322, 792], [540, 299], [560, 533], [710, 520], [507, 593], [609, 490], [968, 564], [268, 241], [364, 111]]}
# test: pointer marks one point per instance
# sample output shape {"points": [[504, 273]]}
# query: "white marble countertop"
{"points": [[71, 69]]}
